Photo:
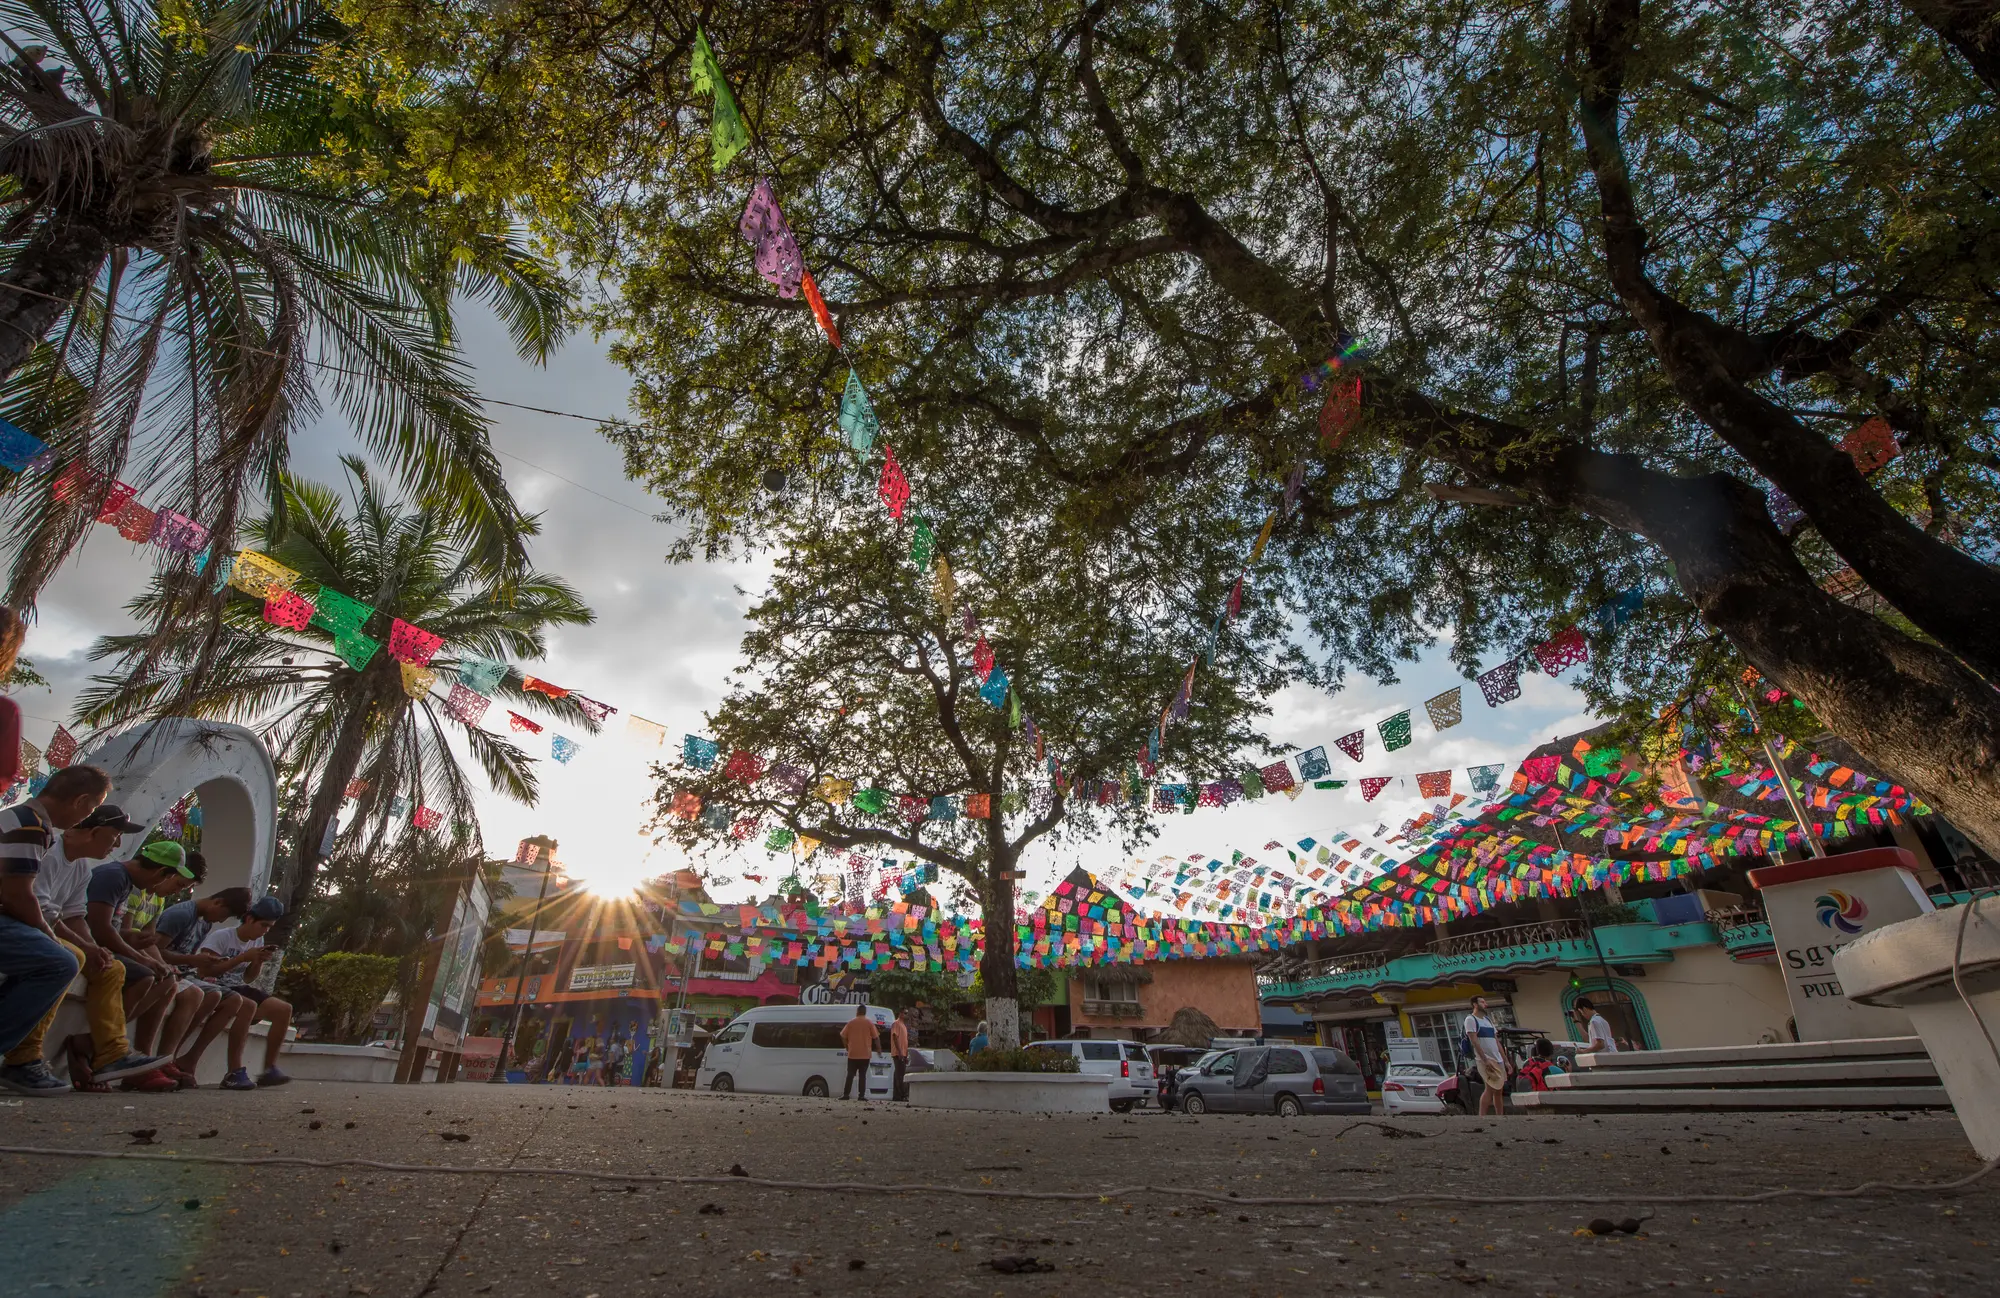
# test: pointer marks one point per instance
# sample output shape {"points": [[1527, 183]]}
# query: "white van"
{"points": [[792, 1050]]}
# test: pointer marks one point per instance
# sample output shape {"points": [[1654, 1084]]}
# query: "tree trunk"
{"points": [[60, 259], [996, 961], [1945, 592], [1972, 27], [345, 759], [1904, 704]]}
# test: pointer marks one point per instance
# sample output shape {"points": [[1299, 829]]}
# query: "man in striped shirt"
{"points": [[37, 968]]}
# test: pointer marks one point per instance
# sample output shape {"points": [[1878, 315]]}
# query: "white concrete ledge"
{"points": [[1013, 1092]]}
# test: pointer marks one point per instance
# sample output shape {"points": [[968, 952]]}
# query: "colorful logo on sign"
{"points": [[1839, 911]]}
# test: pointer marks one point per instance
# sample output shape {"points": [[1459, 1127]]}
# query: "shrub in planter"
{"points": [[1025, 1060], [349, 987]]}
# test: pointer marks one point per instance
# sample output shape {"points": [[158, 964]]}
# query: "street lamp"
{"points": [[521, 980]]}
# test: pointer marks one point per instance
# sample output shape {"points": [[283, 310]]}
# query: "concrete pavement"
{"points": [[192, 1231]]}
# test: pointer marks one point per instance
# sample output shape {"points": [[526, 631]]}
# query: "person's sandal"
{"points": [[77, 1047]]}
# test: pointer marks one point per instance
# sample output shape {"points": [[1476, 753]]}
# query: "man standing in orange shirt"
{"points": [[899, 1054], [859, 1037]]}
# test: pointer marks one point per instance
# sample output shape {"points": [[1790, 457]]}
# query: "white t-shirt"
{"points": [[60, 884], [1485, 1037], [1600, 1035], [227, 943]]}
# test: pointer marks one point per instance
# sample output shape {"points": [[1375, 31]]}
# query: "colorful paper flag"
{"points": [[894, 488], [523, 725], [355, 649], [468, 706], [412, 644], [1313, 764], [1434, 784], [258, 576], [1566, 649], [727, 134], [417, 681], [818, 305], [1372, 785], [1872, 445], [777, 252], [562, 748], [286, 609], [481, 674], [1353, 744], [1502, 684], [857, 416], [1396, 732], [19, 448], [1485, 778], [698, 752], [62, 749], [650, 733]]}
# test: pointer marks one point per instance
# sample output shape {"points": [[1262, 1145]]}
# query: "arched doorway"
{"points": [[152, 766], [1623, 1008]]}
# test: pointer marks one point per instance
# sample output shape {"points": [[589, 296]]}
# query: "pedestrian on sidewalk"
{"points": [[1484, 1040], [899, 1054], [1596, 1031], [859, 1037]]}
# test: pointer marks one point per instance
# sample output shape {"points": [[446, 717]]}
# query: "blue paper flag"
{"points": [[698, 752], [562, 748], [994, 691], [19, 448], [1313, 764]]}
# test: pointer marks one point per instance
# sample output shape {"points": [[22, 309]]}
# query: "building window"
{"points": [[1096, 989], [1447, 1028]]}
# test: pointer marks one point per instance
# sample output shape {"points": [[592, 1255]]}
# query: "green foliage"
{"points": [[1033, 987], [902, 989], [1093, 248], [1027, 1059], [407, 563], [274, 219], [348, 988]]}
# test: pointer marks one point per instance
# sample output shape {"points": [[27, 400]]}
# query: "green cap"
{"points": [[168, 854]]}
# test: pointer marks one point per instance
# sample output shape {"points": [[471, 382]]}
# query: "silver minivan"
{"points": [[1130, 1068], [1285, 1080]]}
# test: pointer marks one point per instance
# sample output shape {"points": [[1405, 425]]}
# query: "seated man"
{"points": [[182, 927], [60, 887], [157, 867], [35, 966], [230, 953], [136, 918]]}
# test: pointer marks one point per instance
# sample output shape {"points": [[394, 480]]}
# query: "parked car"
{"points": [[792, 1050], [1286, 1080], [1126, 1061], [1413, 1088]]}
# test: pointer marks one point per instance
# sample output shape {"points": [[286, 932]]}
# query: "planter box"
{"points": [[1013, 1092], [1908, 967]]}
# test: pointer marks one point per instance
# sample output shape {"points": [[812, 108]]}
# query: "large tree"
{"points": [[1622, 272], [330, 721], [862, 707], [211, 218]]}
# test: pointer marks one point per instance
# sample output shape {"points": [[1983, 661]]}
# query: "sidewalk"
{"points": [[352, 1233]]}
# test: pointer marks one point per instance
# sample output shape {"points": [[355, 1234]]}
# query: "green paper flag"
{"points": [[355, 649], [871, 802], [858, 421], [337, 613], [1013, 710], [728, 134], [923, 545], [1396, 732]]}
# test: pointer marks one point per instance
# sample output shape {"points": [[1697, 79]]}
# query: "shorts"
{"points": [[251, 994], [1493, 1073], [135, 971]]}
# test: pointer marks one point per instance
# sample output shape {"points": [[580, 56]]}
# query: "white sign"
{"points": [[597, 977], [1817, 907]]}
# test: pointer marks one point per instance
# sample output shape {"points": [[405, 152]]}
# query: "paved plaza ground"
{"points": [[138, 1229]]}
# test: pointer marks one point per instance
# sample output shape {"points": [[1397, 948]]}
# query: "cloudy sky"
{"points": [[665, 640]]}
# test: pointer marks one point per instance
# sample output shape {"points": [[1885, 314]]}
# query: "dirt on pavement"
{"points": [[138, 1229]]}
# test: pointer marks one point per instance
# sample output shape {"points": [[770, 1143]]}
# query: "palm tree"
{"points": [[196, 216], [329, 721]]}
